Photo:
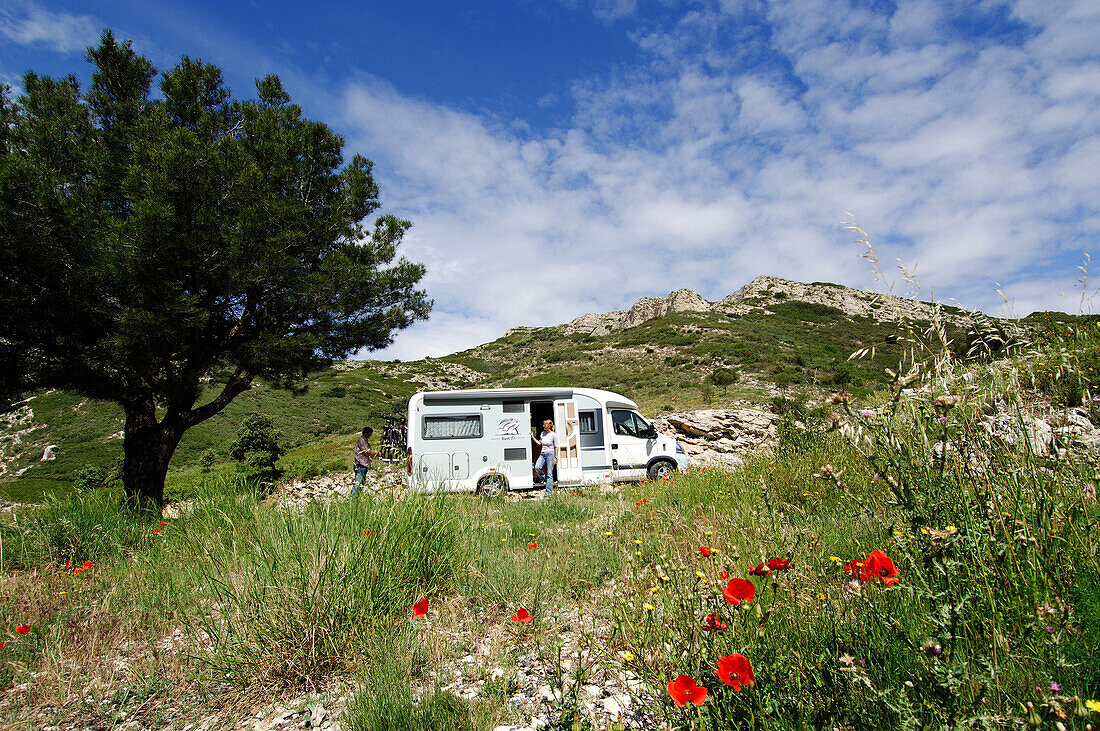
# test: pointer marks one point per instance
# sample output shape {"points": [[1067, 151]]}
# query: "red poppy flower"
{"points": [[420, 608], [643, 501], [878, 566], [704, 551], [852, 567], [779, 564], [156, 530], [723, 574], [532, 544], [162, 523], [711, 623], [522, 616], [735, 671], [78, 570], [68, 565], [761, 570], [684, 690], [739, 590], [88, 564], [23, 629], [1, 645]]}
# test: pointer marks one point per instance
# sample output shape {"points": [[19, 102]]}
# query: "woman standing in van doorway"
{"points": [[548, 440]]}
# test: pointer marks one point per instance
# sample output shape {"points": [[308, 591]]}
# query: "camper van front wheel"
{"points": [[492, 485], [661, 470]]}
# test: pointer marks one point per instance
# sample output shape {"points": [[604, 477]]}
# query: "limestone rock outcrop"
{"points": [[852, 302], [720, 436], [758, 294], [647, 308]]}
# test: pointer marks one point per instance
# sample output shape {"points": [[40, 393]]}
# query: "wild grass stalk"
{"points": [[296, 601]]}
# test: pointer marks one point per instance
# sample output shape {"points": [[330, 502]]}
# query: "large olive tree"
{"points": [[149, 244]]}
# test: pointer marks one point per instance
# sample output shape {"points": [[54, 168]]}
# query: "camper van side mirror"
{"points": [[651, 432]]}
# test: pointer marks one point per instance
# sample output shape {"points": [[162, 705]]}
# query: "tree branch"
{"points": [[236, 385]]}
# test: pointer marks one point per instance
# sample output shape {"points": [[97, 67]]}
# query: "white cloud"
{"points": [[13, 82], [614, 9], [27, 23], [974, 161]]}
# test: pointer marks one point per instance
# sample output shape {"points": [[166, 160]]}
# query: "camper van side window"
{"points": [[452, 427], [588, 422]]}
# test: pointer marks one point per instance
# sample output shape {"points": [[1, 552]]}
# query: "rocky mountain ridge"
{"points": [[758, 294]]}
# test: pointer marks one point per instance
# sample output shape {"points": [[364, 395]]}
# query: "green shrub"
{"points": [[90, 477], [842, 375], [257, 447], [783, 406], [723, 378], [207, 460]]}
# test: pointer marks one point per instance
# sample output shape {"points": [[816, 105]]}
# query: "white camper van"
{"points": [[480, 439]]}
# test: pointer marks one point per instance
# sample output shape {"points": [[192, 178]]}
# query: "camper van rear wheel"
{"points": [[492, 485], [661, 470]]}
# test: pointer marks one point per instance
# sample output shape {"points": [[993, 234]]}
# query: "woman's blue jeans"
{"points": [[545, 468]]}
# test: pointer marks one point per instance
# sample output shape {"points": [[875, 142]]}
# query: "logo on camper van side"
{"points": [[508, 428]]}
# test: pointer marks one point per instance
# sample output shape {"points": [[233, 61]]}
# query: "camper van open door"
{"points": [[569, 441]]}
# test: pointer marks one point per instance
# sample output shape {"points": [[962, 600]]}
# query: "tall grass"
{"points": [[387, 700], [292, 599]]}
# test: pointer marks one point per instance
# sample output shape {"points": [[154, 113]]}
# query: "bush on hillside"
{"points": [[257, 447]]}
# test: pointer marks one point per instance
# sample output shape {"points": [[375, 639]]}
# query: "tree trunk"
{"points": [[148, 446]]}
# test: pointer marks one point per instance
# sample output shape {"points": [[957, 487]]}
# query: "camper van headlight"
{"points": [[680, 448]]}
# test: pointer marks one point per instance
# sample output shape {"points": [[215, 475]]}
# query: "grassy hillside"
{"points": [[791, 349], [783, 349], [87, 432]]}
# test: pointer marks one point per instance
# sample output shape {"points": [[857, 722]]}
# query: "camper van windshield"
{"points": [[629, 423]]}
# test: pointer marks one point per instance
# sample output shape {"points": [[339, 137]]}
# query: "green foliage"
{"points": [[90, 478], [257, 447], [723, 377], [305, 576], [1067, 378], [95, 526], [201, 236]]}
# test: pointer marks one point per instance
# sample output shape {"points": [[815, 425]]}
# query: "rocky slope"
{"points": [[757, 294]]}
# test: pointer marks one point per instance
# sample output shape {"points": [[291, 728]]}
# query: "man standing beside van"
{"points": [[548, 441], [363, 456]]}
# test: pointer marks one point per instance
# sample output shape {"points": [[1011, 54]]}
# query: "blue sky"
{"points": [[568, 156]]}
